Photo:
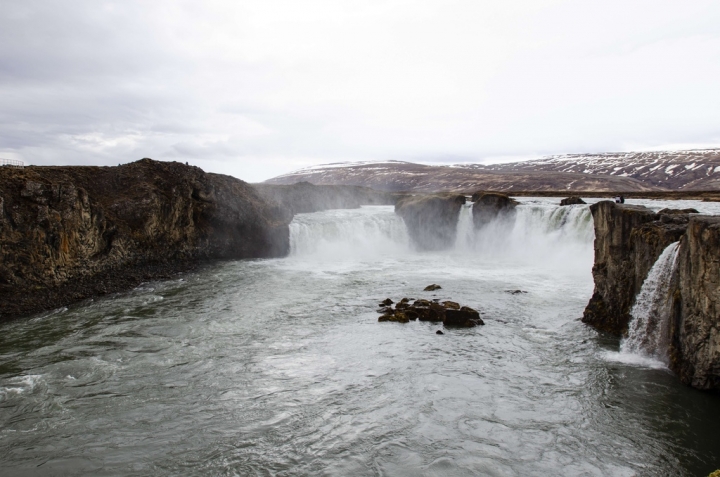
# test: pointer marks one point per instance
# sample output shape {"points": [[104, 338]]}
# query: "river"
{"points": [[280, 367]]}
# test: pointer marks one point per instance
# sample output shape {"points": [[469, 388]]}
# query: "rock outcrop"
{"points": [[572, 200], [68, 233], [431, 220], [489, 206], [628, 241], [304, 197], [695, 321], [449, 312]]}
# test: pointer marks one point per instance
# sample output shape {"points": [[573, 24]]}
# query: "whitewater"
{"points": [[280, 367]]}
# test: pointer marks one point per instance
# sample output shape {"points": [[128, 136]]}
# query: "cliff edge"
{"points": [[68, 233], [628, 241]]}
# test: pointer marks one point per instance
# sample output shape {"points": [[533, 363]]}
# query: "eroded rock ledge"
{"points": [[431, 220], [68, 233], [628, 241]]}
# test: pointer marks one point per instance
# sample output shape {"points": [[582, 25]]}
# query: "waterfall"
{"points": [[567, 223], [348, 233], [465, 227], [544, 232], [648, 331]]}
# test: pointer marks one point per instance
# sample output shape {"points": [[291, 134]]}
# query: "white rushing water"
{"points": [[648, 331], [538, 232]]}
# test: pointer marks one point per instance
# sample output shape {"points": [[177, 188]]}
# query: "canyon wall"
{"points": [[695, 321], [628, 241], [68, 233]]}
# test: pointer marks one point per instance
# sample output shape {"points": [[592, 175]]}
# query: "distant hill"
{"points": [[618, 172]]}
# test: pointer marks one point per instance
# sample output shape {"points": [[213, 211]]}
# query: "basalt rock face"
{"points": [[488, 206], [695, 321], [431, 220], [68, 233], [628, 241], [304, 197]]}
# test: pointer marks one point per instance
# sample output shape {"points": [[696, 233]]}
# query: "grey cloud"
{"points": [[112, 81]]}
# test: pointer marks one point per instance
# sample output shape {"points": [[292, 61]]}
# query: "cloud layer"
{"points": [[255, 89]]}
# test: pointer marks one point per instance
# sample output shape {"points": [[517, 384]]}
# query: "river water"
{"points": [[279, 367]]}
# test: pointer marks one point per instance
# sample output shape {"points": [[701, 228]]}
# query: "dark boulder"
{"points": [[432, 287], [678, 211], [465, 317], [572, 200], [449, 312]]}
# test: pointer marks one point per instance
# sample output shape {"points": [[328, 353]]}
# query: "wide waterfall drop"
{"points": [[370, 231], [538, 232], [648, 332]]}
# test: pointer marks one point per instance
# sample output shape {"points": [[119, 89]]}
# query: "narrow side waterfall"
{"points": [[648, 332], [465, 228]]}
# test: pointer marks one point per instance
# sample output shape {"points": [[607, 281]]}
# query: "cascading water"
{"points": [[536, 231], [334, 234], [648, 332], [539, 233], [465, 230]]}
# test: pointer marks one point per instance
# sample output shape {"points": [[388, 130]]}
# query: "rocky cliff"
{"points": [[304, 197], [67, 233], [628, 241], [431, 220], [695, 320]]}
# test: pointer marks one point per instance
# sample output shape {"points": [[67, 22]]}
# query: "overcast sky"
{"points": [[259, 88]]}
